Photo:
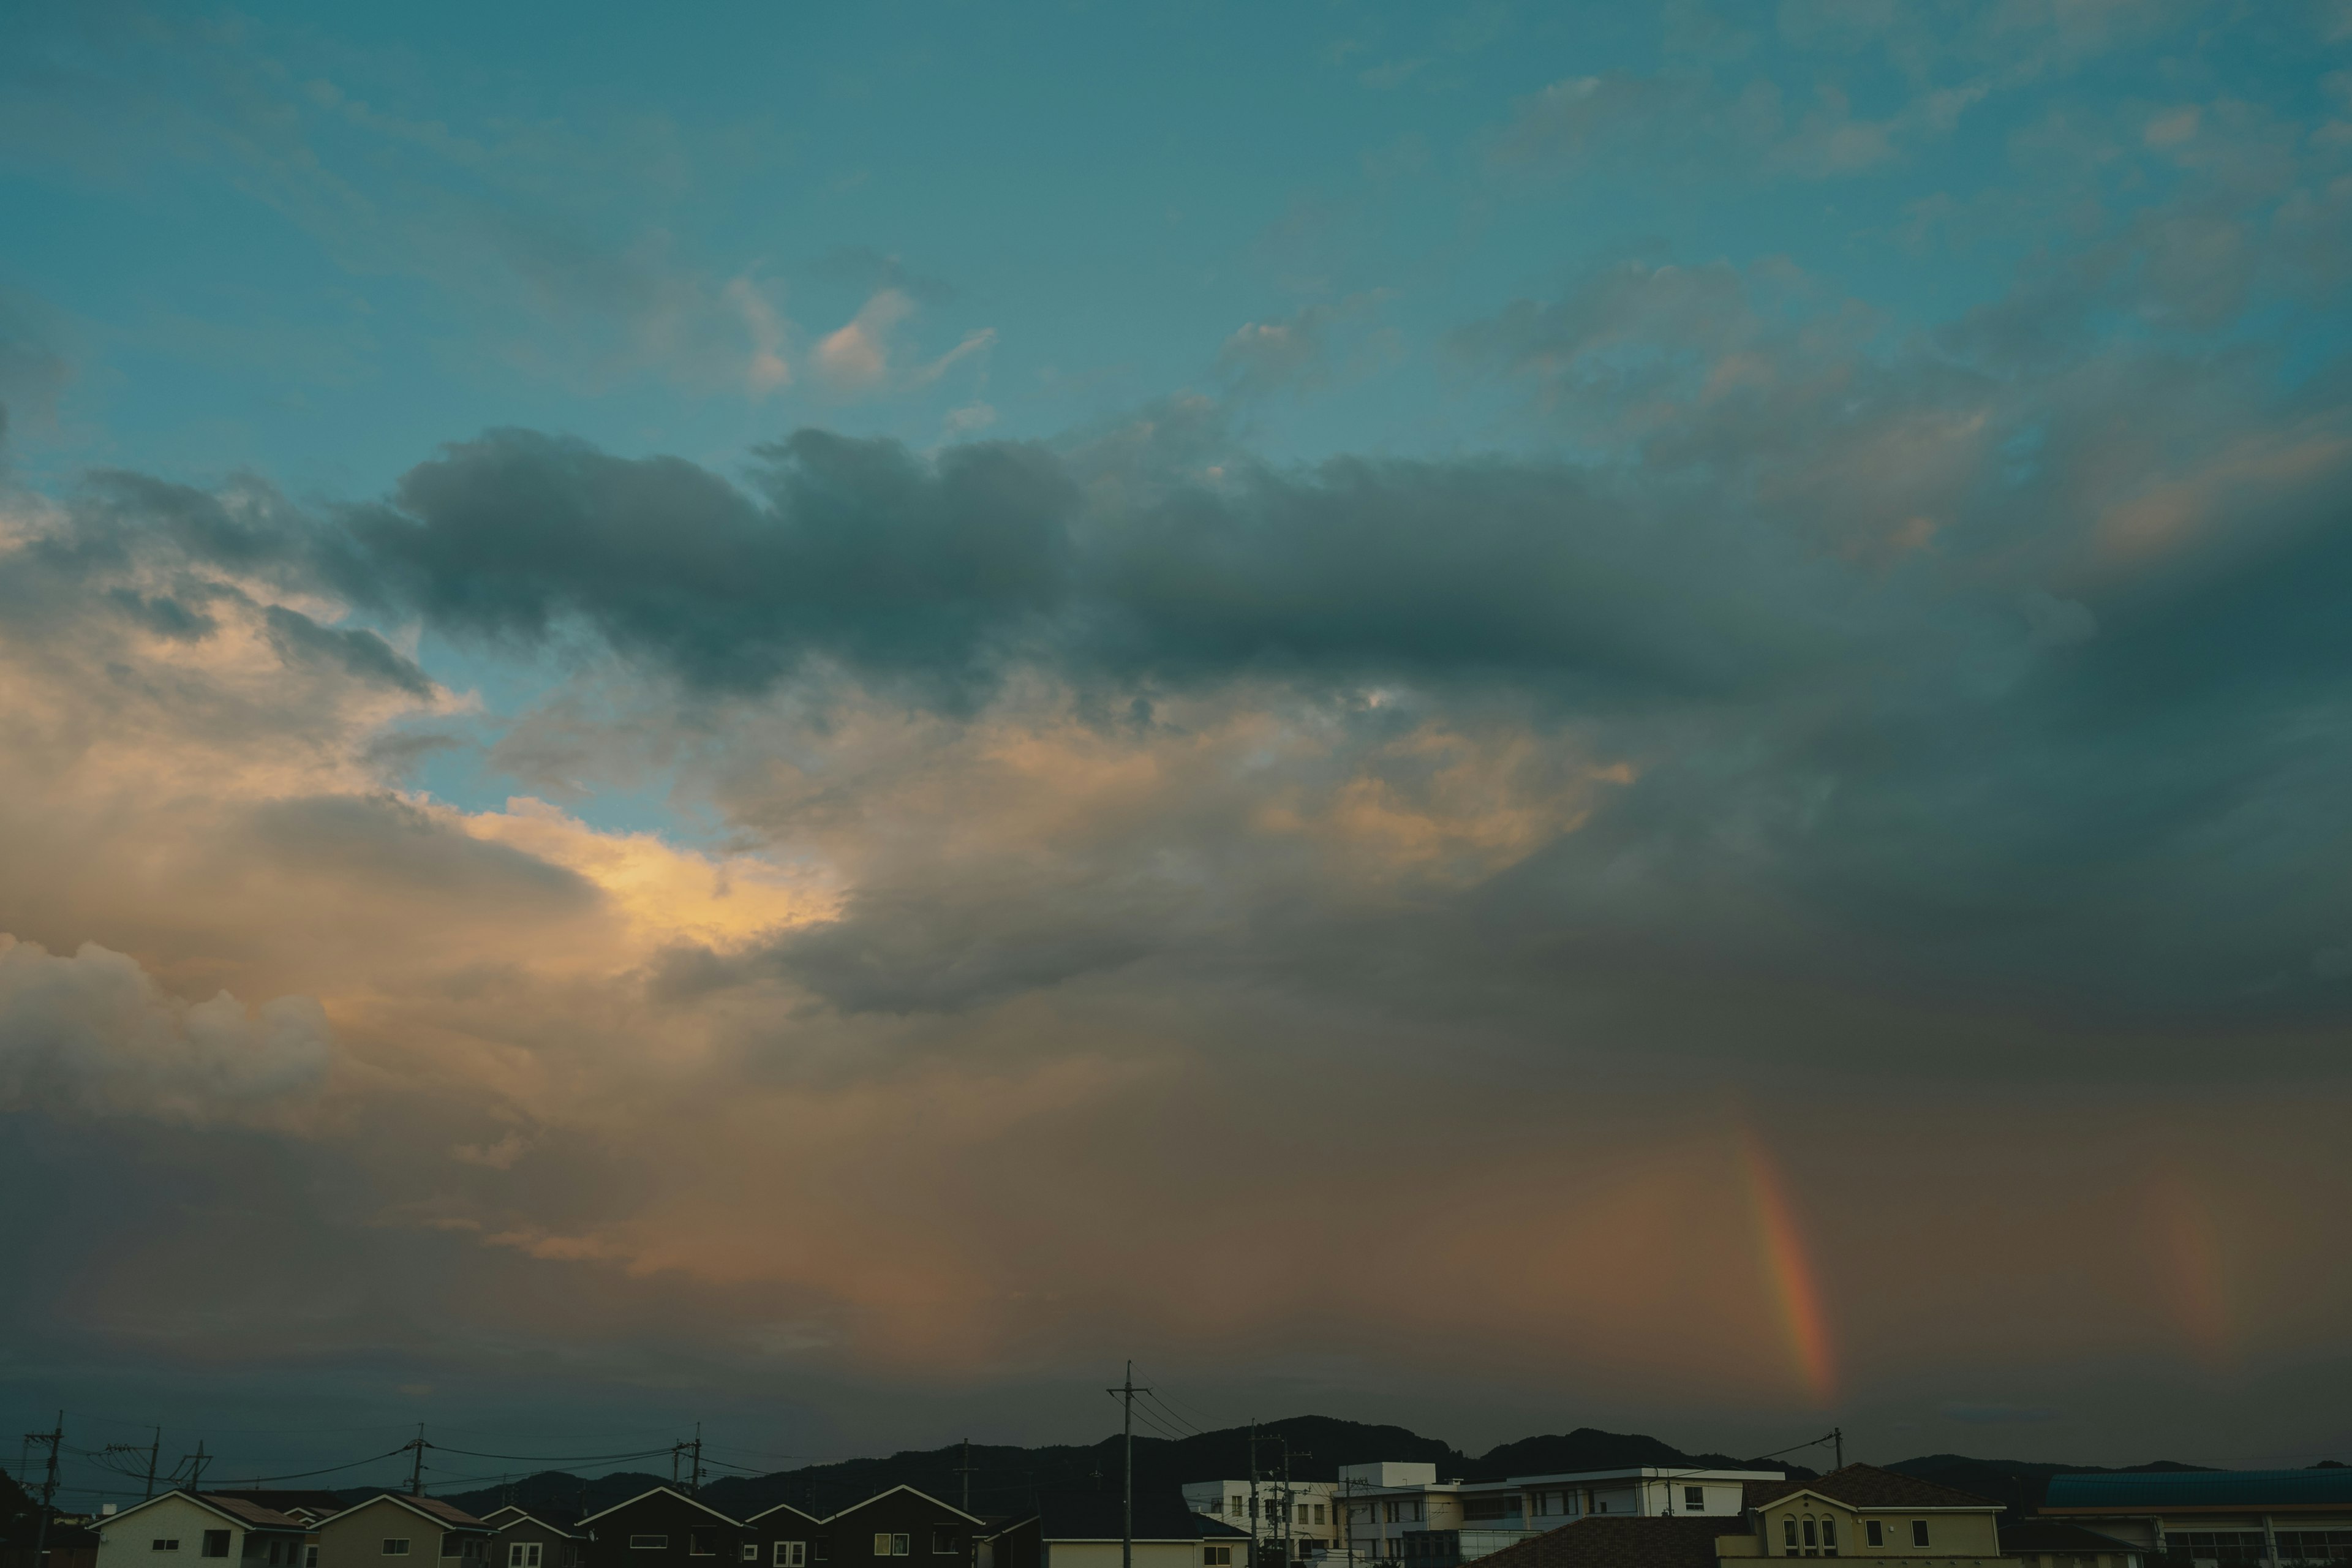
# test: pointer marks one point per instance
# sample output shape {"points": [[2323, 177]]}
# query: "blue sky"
{"points": [[644, 648]]}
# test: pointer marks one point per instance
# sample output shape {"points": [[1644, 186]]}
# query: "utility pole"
{"points": [[1258, 1536], [416, 1447], [196, 1466], [693, 1487], [55, 1438], [964, 1471], [1837, 1437], [1289, 1506], [154, 1452], [1127, 1390]]}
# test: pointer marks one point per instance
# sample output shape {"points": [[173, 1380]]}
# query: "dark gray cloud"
{"points": [[949, 569]]}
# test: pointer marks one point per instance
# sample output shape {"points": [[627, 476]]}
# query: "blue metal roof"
{"points": [[2207, 1489]]}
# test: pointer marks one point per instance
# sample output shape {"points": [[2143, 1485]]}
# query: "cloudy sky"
{"points": [[1495, 717]]}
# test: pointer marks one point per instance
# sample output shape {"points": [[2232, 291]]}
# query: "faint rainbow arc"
{"points": [[1789, 1270]]}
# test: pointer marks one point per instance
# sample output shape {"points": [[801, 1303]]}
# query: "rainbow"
{"points": [[2190, 1241], [1789, 1270]]}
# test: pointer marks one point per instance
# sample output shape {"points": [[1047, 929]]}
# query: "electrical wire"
{"points": [[555, 1459], [330, 1470]]}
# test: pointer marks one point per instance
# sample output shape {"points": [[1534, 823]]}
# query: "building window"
{"points": [[702, 1544], [792, 1554], [893, 1545], [649, 1543], [395, 1547], [1319, 1514], [944, 1542], [1874, 1530], [1809, 1538], [1216, 1557], [1789, 1533], [1918, 1532], [522, 1554], [821, 1548], [1693, 1499], [310, 1557], [164, 1544], [1829, 1538], [751, 1552], [1237, 1507], [216, 1544]]}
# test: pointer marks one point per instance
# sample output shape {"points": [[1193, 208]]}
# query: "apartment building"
{"points": [[1403, 1514], [1303, 1518]]}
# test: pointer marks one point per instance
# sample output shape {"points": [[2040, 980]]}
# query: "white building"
{"points": [[1306, 1514], [1404, 1514]]}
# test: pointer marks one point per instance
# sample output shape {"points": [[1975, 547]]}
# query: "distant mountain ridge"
{"points": [[1007, 1481]]}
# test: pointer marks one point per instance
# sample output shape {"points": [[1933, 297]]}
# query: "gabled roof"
{"points": [[235, 1510], [803, 1515], [292, 1502], [505, 1519], [902, 1487], [1622, 1541], [447, 1515], [1868, 1487], [659, 1492]]}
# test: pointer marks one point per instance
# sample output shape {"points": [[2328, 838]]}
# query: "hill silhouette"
{"points": [[1007, 1480]]}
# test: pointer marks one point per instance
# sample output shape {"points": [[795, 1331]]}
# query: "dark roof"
{"points": [[784, 1508], [2151, 1490], [1867, 1486], [286, 1499], [505, 1519], [893, 1491], [671, 1492], [1632, 1541], [2057, 1535], [447, 1513], [251, 1514]]}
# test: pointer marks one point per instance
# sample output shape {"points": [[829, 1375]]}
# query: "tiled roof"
{"points": [[286, 1499], [2153, 1490], [1867, 1486], [1632, 1541], [447, 1511], [251, 1513]]}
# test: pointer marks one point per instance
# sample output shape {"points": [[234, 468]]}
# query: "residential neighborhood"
{"points": [[1379, 1515]]}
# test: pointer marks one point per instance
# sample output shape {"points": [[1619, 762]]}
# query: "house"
{"points": [[780, 1537], [1862, 1511], [306, 1505], [1085, 1530], [663, 1528], [2054, 1544], [179, 1525], [525, 1541], [426, 1531], [1402, 1513], [900, 1522], [2214, 1517]]}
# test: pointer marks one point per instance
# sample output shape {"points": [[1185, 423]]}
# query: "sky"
{"points": [[1494, 717]]}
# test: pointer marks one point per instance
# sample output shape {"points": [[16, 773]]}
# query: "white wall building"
{"points": [[1305, 1513], [1429, 1523]]}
